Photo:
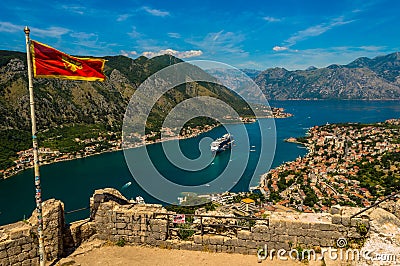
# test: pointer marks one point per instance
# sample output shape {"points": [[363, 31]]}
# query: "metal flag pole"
{"points": [[38, 196]]}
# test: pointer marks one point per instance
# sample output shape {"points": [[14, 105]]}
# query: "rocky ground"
{"points": [[100, 253]]}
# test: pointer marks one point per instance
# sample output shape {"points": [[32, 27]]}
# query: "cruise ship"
{"points": [[222, 143]]}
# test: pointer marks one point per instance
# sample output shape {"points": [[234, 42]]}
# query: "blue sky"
{"points": [[246, 34]]}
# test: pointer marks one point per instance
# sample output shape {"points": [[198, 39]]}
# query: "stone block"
{"points": [[325, 242], [197, 247], [253, 251], [301, 239], [341, 228], [133, 239], [23, 256], [275, 238], [231, 241], [13, 251], [252, 244], [352, 233], [3, 254], [120, 225], [17, 233], [206, 239], [33, 253], [280, 231], [296, 231], [282, 245], [35, 261], [216, 240], [136, 227], [229, 249], [294, 225], [25, 263], [262, 237], [336, 209], [13, 259], [241, 242], [151, 241], [260, 229], [336, 219], [346, 221], [305, 225], [241, 250], [244, 234], [4, 261], [198, 239], [322, 226], [355, 221], [155, 228], [277, 223]]}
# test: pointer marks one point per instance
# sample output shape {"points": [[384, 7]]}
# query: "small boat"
{"points": [[126, 185]]}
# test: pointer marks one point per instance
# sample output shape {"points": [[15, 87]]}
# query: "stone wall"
{"points": [[134, 223], [114, 218], [19, 241], [139, 224]]}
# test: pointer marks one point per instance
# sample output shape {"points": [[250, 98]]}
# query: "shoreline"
{"points": [[205, 129], [113, 149]]}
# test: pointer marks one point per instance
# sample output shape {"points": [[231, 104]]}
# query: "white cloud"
{"points": [[271, 19], [125, 53], [179, 54], [10, 27], [221, 42], [156, 12], [89, 40], [316, 30], [134, 33], [279, 48], [74, 9], [174, 35], [123, 17], [55, 32]]}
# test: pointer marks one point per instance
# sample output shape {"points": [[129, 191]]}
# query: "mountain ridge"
{"points": [[361, 79]]}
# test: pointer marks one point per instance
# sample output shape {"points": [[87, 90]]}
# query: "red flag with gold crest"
{"points": [[51, 63]]}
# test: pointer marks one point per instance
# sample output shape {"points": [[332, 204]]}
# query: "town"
{"points": [[347, 164]]}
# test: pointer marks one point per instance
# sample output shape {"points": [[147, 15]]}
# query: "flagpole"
{"points": [[38, 196]]}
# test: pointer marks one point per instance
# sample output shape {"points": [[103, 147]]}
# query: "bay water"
{"points": [[73, 182]]}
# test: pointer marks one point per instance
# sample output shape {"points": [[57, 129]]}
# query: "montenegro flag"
{"points": [[51, 63]]}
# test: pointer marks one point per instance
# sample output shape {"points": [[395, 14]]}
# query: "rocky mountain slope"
{"points": [[364, 78], [69, 103]]}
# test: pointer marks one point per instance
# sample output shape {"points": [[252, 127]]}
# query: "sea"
{"points": [[73, 182]]}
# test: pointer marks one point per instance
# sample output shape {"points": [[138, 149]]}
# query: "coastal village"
{"points": [[112, 141]]}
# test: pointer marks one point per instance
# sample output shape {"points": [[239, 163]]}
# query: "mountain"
{"points": [[82, 106], [252, 73], [364, 78]]}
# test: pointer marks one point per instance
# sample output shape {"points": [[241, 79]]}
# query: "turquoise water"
{"points": [[73, 182]]}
